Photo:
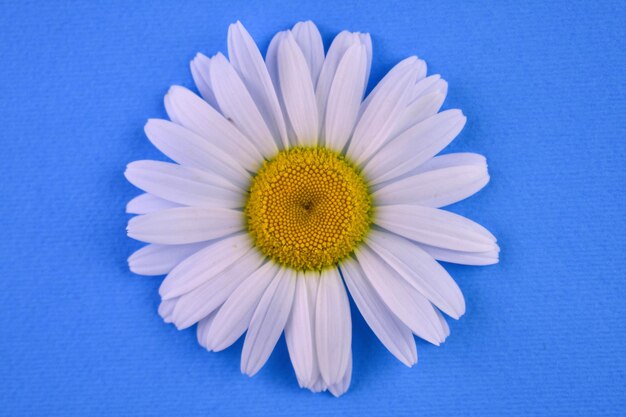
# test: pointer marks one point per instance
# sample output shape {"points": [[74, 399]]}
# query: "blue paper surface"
{"points": [[542, 85]]}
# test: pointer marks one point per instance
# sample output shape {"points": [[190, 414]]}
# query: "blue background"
{"points": [[542, 84]]}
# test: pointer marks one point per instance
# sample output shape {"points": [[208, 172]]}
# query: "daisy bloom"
{"points": [[288, 190]]}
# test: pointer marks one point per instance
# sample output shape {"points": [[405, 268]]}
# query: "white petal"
{"points": [[436, 188], [420, 270], [418, 111], [201, 73], [271, 62], [464, 258], [184, 185], [409, 64], [415, 146], [333, 327], [366, 40], [394, 334], [382, 112], [319, 385], [428, 85], [342, 386], [342, 42], [435, 227], [440, 162], [238, 106], [411, 307], [201, 301], [247, 60], [300, 330], [193, 113], [268, 322], [444, 324], [185, 225], [203, 265], [344, 99], [147, 203], [310, 42], [234, 316], [202, 331], [297, 92], [166, 308], [187, 148], [421, 72], [451, 160], [157, 259]]}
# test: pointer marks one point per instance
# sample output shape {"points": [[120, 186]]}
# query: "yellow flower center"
{"points": [[308, 208]]}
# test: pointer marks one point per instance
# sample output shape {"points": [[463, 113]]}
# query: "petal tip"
{"points": [[199, 57], [150, 125], [175, 90], [337, 391]]}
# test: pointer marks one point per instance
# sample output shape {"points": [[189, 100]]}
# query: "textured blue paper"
{"points": [[542, 85]]}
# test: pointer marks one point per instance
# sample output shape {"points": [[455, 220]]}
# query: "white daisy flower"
{"points": [[287, 185]]}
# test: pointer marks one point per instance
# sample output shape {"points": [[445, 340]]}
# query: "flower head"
{"points": [[287, 187]]}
